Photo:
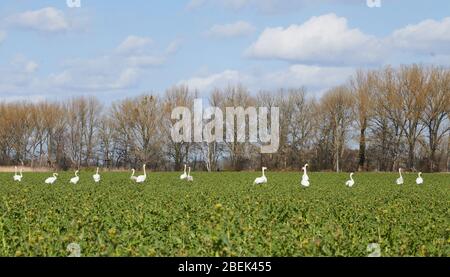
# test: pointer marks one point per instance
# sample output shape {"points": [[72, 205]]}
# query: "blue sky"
{"points": [[114, 49]]}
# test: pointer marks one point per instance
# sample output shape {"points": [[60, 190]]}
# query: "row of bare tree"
{"points": [[379, 120]]}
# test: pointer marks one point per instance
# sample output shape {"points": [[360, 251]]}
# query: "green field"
{"points": [[223, 214]]}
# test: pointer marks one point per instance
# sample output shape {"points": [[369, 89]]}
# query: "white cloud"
{"points": [[173, 47], [122, 69], [207, 83], [315, 78], [328, 40], [426, 36], [21, 63], [46, 20], [31, 67], [325, 39], [127, 78], [236, 29], [195, 4], [145, 61], [134, 44], [117, 71], [266, 6], [18, 76]]}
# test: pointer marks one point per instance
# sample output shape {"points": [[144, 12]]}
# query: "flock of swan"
{"points": [[350, 183], [96, 177], [187, 177]]}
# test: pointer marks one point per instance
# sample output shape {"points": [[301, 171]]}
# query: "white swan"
{"points": [[262, 179], [184, 175], [305, 175], [419, 179], [132, 177], [16, 177], [305, 178], [141, 178], [51, 180], [400, 179], [189, 178], [75, 179], [350, 182], [96, 176]]}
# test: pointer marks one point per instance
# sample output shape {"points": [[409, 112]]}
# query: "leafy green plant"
{"points": [[223, 214]]}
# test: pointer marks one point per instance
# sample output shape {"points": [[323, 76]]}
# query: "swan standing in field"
{"points": [[141, 178], [400, 179], [96, 176], [305, 178], [189, 178], [419, 179], [51, 180], [75, 179], [350, 182], [184, 175], [132, 177], [262, 179], [16, 177]]}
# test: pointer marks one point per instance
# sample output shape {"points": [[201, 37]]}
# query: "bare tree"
{"points": [[337, 104], [361, 86], [437, 104], [178, 96]]}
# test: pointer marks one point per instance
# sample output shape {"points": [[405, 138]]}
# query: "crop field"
{"points": [[224, 214]]}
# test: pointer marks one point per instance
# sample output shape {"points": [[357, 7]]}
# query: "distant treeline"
{"points": [[379, 120]]}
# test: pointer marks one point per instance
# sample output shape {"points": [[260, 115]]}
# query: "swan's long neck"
{"points": [[400, 171], [145, 174], [76, 173], [304, 170], [54, 175], [97, 170], [189, 172], [132, 172], [351, 176], [263, 172], [184, 169], [420, 174], [20, 172]]}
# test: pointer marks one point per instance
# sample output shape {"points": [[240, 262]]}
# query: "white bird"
{"points": [[305, 175], [305, 178], [51, 180], [350, 182], [400, 179], [189, 178], [17, 177], [75, 179], [96, 176], [132, 177], [262, 179], [141, 178], [184, 175], [419, 179]]}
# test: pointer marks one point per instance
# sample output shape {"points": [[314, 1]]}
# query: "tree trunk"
{"points": [[362, 149], [411, 156]]}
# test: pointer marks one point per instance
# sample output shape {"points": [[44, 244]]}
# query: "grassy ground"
{"points": [[223, 214]]}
